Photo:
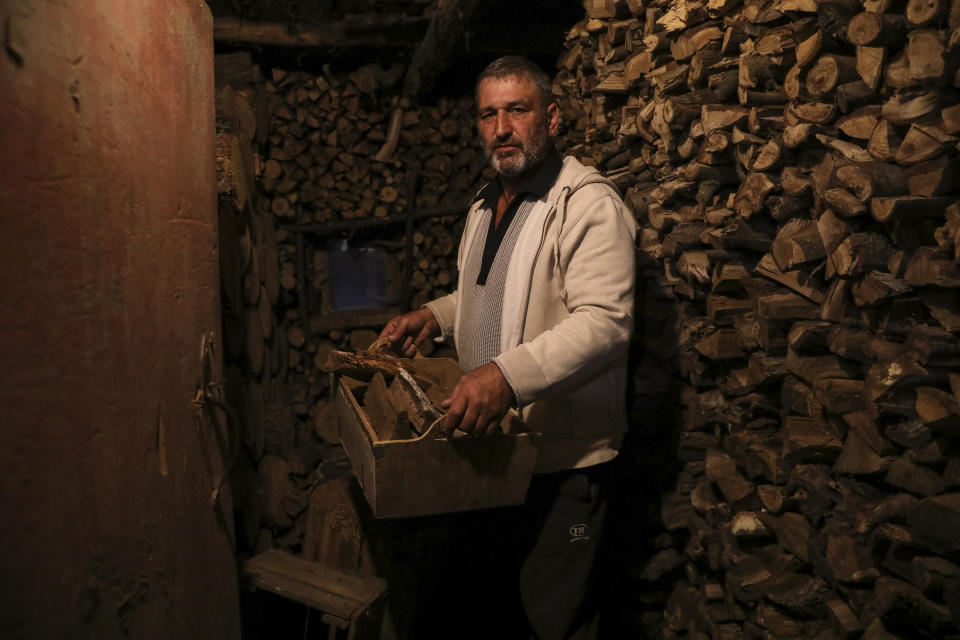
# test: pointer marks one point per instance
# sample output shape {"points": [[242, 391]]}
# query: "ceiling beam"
{"points": [[352, 31]]}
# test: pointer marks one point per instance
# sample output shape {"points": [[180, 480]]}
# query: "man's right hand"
{"points": [[406, 332]]}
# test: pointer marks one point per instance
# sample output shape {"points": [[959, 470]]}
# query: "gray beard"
{"points": [[526, 159]]}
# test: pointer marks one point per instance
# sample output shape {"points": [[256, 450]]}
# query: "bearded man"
{"points": [[541, 320]]}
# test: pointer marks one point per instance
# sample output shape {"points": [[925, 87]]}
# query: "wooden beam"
{"points": [[353, 31], [445, 32]]}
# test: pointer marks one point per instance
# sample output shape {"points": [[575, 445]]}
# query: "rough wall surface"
{"points": [[108, 244]]}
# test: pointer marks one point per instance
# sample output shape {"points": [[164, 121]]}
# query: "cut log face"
{"points": [[828, 72], [872, 29], [860, 253], [870, 65]]}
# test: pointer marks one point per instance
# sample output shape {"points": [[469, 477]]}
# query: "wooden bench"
{"points": [[345, 600]]}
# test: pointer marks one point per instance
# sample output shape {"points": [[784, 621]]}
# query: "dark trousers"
{"points": [[566, 510], [527, 572]]}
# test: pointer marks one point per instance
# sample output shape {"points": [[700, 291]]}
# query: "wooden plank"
{"points": [[315, 585], [353, 31]]}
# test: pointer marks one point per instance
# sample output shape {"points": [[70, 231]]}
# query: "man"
{"points": [[541, 320]]}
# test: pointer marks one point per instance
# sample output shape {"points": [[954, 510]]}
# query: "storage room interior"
{"points": [[210, 207]]}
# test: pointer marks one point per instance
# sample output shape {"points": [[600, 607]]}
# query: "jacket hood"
{"points": [[575, 175]]}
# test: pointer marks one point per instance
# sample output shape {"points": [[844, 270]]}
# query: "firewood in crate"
{"points": [[363, 365], [384, 416]]}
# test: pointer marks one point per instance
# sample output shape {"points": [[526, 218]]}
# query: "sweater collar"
{"points": [[536, 183]]}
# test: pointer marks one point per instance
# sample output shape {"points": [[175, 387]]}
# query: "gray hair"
{"points": [[518, 66]]}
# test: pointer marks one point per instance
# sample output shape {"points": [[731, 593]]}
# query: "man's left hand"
{"points": [[478, 402]]}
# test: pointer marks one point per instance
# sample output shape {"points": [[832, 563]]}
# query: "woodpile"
{"points": [[793, 169], [305, 162], [340, 148]]}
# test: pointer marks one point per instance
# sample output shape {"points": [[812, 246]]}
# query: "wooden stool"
{"points": [[345, 600]]}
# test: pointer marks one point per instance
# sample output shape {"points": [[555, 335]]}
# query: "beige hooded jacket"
{"points": [[567, 317]]}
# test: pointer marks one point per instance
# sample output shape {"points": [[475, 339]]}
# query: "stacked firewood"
{"points": [[307, 161], [345, 149], [255, 334], [793, 167], [341, 148]]}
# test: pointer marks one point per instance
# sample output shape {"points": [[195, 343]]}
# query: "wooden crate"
{"points": [[432, 473]]}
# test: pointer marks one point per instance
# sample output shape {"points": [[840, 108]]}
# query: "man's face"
{"points": [[516, 128]]}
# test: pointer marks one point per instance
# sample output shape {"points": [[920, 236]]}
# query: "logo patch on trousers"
{"points": [[578, 532]]}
